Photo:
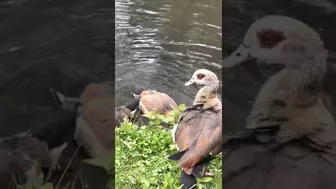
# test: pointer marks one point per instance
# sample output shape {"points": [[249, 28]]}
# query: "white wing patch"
{"points": [[173, 135]]}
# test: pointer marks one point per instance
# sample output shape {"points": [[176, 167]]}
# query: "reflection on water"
{"points": [[242, 83], [159, 44]]}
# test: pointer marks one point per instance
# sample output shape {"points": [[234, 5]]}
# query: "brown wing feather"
{"points": [[158, 101], [206, 142], [168, 101], [201, 132]]}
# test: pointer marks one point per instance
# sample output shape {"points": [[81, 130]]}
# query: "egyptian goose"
{"points": [[198, 135], [153, 101], [22, 155], [97, 117], [289, 139], [95, 126], [200, 78], [75, 103]]}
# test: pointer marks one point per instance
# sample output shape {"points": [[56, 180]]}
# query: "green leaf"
{"points": [[205, 179], [104, 162], [47, 186]]}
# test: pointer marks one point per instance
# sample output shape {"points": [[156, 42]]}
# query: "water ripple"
{"points": [[159, 44]]}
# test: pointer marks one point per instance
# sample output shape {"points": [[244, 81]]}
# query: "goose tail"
{"points": [[189, 180]]}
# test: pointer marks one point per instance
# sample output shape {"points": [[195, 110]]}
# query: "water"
{"points": [[242, 83], [159, 44], [65, 44], [49, 44]]}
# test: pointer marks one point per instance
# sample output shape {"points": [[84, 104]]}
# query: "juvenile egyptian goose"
{"points": [[289, 140], [151, 100], [22, 156], [198, 135]]}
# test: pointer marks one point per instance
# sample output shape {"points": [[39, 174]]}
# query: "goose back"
{"points": [[200, 131], [156, 101]]}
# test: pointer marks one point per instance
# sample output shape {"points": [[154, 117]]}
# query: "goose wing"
{"points": [[200, 132]]}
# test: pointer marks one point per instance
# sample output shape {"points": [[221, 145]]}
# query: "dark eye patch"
{"points": [[200, 76], [269, 38]]}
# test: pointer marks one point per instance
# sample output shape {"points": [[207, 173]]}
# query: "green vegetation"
{"points": [[141, 156]]}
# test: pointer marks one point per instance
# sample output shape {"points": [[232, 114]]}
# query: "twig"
{"points": [[15, 181], [67, 167], [74, 181], [81, 179]]}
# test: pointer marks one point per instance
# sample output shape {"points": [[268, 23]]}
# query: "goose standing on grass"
{"points": [[200, 78], [289, 139], [198, 135]]}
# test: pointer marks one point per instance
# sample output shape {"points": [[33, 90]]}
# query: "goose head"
{"points": [[207, 96], [278, 40], [203, 77], [137, 93]]}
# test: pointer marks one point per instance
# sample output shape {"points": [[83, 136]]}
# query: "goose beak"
{"points": [[240, 55], [190, 82]]}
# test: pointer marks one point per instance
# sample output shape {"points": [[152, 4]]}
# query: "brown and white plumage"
{"points": [[199, 130], [203, 77], [289, 140], [153, 101], [97, 117], [198, 134]]}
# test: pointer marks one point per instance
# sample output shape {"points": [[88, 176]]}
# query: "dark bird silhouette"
{"points": [[96, 117]]}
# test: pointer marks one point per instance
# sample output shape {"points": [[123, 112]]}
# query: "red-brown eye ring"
{"points": [[269, 40]]}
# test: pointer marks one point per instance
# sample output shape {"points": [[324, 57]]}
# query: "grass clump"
{"points": [[141, 156]]}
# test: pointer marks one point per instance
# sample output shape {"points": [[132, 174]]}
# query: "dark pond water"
{"points": [[62, 44], [241, 84], [159, 44]]}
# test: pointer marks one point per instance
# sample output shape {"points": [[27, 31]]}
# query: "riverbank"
{"points": [[141, 156]]}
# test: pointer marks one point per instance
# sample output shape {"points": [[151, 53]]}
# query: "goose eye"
{"points": [[269, 40], [203, 96], [200, 76]]}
